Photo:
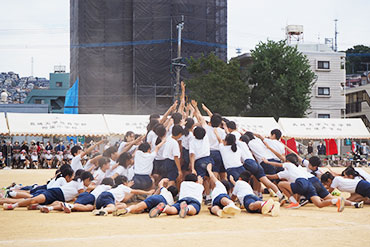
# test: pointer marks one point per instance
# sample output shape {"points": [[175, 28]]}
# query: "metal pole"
{"points": [[336, 34], [180, 27]]}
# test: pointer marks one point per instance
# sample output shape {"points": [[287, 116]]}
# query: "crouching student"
{"points": [[113, 199], [165, 197], [85, 201], [190, 199], [143, 165], [222, 205], [65, 193], [253, 204]]}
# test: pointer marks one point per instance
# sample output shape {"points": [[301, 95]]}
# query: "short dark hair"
{"points": [[199, 133], [245, 176], [176, 118], [102, 161], [109, 151], [75, 149], [107, 181], [174, 191], [128, 133], [123, 158], [292, 158], [191, 177], [216, 120], [144, 147], [87, 175], [154, 116], [315, 161], [120, 179], [177, 130], [326, 176], [277, 133], [231, 125], [250, 135]]}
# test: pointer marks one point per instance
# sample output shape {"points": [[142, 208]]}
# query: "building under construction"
{"points": [[123, 51]]}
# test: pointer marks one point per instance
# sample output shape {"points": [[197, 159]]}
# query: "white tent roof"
{"points": [[120, 124], [57, 124], [260, 125], [324, 128], [3, 125]]}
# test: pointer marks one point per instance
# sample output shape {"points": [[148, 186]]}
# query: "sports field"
{"points": [[307, 226]]}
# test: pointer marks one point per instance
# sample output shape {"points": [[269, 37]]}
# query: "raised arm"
{"points": [[130, 144], [182, 100], [211, 174], [160, 145], [168, 112], [217, 135], [205, 108], [198, 115], [92, 147]]}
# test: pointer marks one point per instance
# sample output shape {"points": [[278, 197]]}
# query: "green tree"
{"points": [[353, 63], [218, 84], [281, 81]]}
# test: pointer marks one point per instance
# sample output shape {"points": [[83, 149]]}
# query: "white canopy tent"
{"points": [[57, 124], [120, 124], [3, 125], [324, 128]]}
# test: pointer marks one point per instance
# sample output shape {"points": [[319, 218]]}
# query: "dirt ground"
{"points": [[294, 227]]}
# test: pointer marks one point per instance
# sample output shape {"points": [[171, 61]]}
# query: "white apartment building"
{"points": [[327, 99]]}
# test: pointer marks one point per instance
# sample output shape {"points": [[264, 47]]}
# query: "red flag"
{"points": [[291, 144], [331, 147]]}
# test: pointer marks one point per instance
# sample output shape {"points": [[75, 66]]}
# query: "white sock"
{"points": [[15, 205], [279, 194], [50, 208], [292, 199], [12, 193], [232, 203], [208, 197], [334, 201], [128, 210], [353, 203]]}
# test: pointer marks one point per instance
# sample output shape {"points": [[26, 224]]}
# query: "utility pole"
{"points": [[336, 36], [177, 61]]}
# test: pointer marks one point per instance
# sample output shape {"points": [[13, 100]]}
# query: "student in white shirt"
{"points": [[85, 201], [124, 167], [59, 158], [190, 199], [186, 138], [35, 160], [222, 205], [172, 155], [356, 173], [143, 165], [298, 183], [100, 174], [49, 159], [129, 137], [164, 194], [65, 193], [253, 204], [231, 127], [277, 148], [112, 200], [159, 168], [354, 186], [78, 154]]}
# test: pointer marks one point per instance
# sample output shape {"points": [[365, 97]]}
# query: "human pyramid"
{"points": [[184, 160]]}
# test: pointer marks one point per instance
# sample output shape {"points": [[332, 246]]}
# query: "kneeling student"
{"points": [[190, 199], [253, 204]]}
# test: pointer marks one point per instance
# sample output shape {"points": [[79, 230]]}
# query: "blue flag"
{"points": [[71, 101]]}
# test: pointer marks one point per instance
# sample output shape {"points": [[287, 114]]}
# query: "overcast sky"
{"points": [[40, 28]]}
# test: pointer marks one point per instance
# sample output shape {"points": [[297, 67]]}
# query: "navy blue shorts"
{"points": [[321, 191], [218, 165], [142, 182], [171, 169], [159, 168], [217, 200], [186, 160], [154, 200], [201, 166], [85, 198], [303, 187], [248, 199], [41, 187], [253, 167], [235, 172], [269, 169], [190, 201], [104, 199], [363, 188], [52, 195]]}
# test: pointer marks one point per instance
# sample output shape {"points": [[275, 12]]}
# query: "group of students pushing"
{"points": [[180, 162]]}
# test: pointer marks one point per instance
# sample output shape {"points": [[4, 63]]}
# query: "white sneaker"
{"points": [[275, 211], [231, 209], [267, 206]]}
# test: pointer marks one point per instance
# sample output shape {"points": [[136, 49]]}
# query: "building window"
{"points": [[59, 84], [39, 101], [323, 116], [323, 91], [323, 65]]}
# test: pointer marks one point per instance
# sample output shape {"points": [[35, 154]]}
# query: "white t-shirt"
{"points": [[56, 183], [120, 192], [191, 189], [244, 149], [100, 189], [213, 142], [127, 172], [151, 137], [236, 134], [23, 157], [99, 175], [230, 158], [88, 165], [76, 163], [318, 172], [277, 146], [200, 148], [364, 174], [345, 184], [70, 190], [122, 146], [159, 155], [48, 156], [110, 172], [218, 190], [259, 150], [167, 195], [171, 149], [242, 189], [291, 172], [143, 162], [34, 157], [59, 157], [185, 140]]}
